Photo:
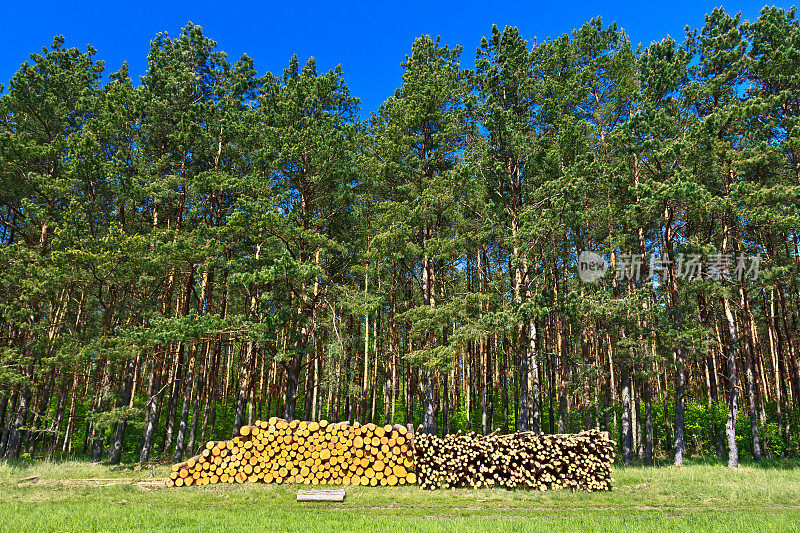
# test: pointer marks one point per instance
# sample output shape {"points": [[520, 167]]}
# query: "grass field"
{"points": [[73, 496]]}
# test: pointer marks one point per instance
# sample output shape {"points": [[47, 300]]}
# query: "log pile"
{"points": [[579, 461], [277, 451]]}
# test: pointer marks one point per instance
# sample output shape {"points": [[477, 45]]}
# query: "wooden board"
{"points": [[320, 495]]}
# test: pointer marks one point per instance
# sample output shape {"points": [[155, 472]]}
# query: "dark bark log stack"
{"points": [[575, 461]]}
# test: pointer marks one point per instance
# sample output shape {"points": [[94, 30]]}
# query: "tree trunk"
{"points": [[733, 409], [429, 300], [680, 370], [9, 421], [151, 413], [627, 442], [522, 353], [537, 390], [4, 396], [172, 404], [115, 450], [187, 401], [102, 398], [648, 416], [750, 374], [292, 380], [522, 333], [15, 437]]}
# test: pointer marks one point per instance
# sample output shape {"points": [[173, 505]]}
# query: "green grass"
{"points": [[73, 496]]}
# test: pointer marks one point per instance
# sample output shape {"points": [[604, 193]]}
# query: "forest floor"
{"points": [[76, 496]]}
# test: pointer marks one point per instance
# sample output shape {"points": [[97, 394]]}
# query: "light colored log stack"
{"points": [[312, 453], [579, 461]]}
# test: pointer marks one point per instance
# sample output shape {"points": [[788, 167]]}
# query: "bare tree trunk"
{"points": [[522, 332], [537, 390], [365, 383], [627, 439], [152, 405], [102, 397], [66, 447], [292, 375], [750, 375], [680, 370], [429, 299], [199, 391], [733, 379], [16, 433], [9, 420], [176, 375], [115, 450], [648, 415], [243, 385], [733, 409], [187, 400], [483, 356], [4, 397]]}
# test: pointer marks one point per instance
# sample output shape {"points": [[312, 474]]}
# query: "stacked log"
{"points": [[577, 461], [277, 451]]}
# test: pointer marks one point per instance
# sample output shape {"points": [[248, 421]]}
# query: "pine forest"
{"points": [[550, 235]]}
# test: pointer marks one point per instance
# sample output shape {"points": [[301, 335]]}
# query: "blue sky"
{"points": [[368, 40]]}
